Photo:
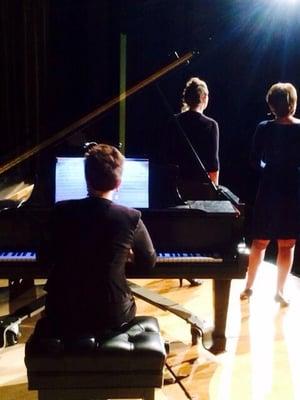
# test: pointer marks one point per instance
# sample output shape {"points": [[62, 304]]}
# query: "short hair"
{"points": [[103, 167], [282, 99], [192, 92]]}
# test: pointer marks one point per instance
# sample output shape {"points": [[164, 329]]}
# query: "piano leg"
{"points": [[23, 303], [221, 292], [21, 292]]}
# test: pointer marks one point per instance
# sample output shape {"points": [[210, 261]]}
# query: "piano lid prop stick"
{"points": [[98, 111]]}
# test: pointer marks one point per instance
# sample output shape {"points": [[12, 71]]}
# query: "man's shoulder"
{"points": [[69, 204], [108, 209], [120, 209], [123, 214], [69, 208]]}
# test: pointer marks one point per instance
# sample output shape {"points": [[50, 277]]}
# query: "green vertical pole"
{"points": [[122, 104]]}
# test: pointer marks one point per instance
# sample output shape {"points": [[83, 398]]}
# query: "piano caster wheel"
{"points": [[9, 330], [10, 338], [218, 345], [196, 335], [217, 348]]}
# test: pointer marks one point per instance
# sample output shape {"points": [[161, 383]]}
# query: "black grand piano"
{"points": [[200, 238], [197, 239]]}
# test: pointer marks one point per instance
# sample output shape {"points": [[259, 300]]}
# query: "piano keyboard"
{"points": [[13, 256], [177, 257], [188, 257]]}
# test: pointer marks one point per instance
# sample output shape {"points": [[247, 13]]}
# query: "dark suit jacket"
{"points": [[91, 242]]}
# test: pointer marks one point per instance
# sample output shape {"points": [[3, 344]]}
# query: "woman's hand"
{"points": [[130, 257]]}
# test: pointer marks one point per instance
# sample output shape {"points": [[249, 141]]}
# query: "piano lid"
{"points": [[75, 126]]}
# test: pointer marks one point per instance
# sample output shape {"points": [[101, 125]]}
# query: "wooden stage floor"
{"points": [[261, 362]]}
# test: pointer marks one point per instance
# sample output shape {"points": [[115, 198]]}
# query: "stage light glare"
{"points": [[282, 6], [286, 2]]}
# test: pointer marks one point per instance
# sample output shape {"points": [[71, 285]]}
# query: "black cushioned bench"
{"points": [[125, 364]]}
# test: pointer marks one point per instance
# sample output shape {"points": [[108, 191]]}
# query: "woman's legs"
{"points": [[285, 258], [257, 254]]}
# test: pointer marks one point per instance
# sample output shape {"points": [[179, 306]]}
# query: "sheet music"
{"points": [[69, 179], [134, 189], [133, 192]]}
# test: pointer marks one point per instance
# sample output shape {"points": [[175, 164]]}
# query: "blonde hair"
{"points": [[282, 99], [192, 93]]}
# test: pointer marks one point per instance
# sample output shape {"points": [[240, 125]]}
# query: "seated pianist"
{"points": [[93, 238]]}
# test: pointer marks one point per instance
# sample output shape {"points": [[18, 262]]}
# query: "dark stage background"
{"points": [[60, 60]]}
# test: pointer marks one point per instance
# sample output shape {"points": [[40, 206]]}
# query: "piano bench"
{"points": [[127, 364]]}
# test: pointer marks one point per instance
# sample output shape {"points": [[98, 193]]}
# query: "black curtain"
{"points": [[23, 36], [59, 61]]}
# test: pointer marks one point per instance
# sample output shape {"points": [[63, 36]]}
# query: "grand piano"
{"points": [[200, 238]]}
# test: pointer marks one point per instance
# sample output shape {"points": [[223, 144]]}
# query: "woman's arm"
{"points": [[214, 176], [257, 147], [214, 163]]}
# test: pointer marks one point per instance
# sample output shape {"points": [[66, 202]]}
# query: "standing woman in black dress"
{"points": [[203, 134], [192, 135], [276, 151]]}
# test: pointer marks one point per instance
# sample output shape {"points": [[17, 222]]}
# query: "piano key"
{"points": [[15, 256], [188, 257]]}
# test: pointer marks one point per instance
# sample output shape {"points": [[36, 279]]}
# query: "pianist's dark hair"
{"points": [[103, 167]]}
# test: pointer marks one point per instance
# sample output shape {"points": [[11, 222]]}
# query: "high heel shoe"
{"points": [[246, 294], [281, 300], [193, 282]]}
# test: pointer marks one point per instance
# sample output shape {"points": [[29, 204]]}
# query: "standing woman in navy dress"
{"points": [[276, 151]]}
